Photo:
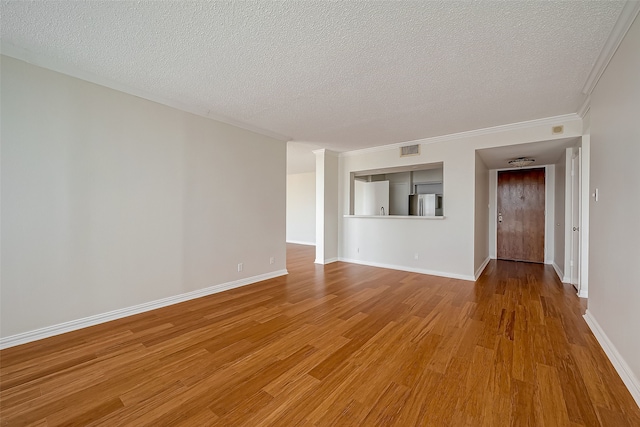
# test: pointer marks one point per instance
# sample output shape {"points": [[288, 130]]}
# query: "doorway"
{"points": [[521, 215], [574, 251]]}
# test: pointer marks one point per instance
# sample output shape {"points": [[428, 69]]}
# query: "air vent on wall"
{"points": [[410, 150]]}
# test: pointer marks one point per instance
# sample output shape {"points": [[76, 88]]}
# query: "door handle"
{"points": [[576, 228]]}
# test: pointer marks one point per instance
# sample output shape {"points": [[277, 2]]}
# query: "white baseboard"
{"points": [[481, 268], [299, 242], [621, 366], [326, 261], [410, 269], [583, 293], [563, 277], [73, 325], [559, 272]]}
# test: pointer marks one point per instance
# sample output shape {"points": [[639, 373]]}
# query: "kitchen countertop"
{"points": [[394, 216]]}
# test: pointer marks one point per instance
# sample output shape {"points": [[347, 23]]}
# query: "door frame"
{"points": [[585, 198], [575, 220], [549, 201], [511, 244]]}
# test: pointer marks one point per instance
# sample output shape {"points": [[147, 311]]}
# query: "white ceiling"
{"points": [[341, 75]]}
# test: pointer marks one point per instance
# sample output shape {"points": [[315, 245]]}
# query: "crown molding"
{"points": [[58, 66], [585, 107], [627, 16], [547, 121]]}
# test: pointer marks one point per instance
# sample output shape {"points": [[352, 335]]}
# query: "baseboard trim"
{"points": [[618, 362], [299, 242], [73, 325], [558, 272], [326, 261], [481, 268], [410, 269]]}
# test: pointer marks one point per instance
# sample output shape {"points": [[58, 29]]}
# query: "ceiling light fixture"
{"points": [[521, 162]]}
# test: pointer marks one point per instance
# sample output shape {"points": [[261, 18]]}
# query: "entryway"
{"points": [[521, 215]]}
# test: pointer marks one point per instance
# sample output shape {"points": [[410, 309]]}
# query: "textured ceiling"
{"points": [[343, 75]]}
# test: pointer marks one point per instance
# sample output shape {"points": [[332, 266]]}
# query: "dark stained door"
{"points": [[521, 215]]}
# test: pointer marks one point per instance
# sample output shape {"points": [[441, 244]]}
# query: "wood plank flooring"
{"points": [[335, 345]]}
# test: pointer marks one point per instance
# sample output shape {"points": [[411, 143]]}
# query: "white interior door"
{"points": [[575, 219]]}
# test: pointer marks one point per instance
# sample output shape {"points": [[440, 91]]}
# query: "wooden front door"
{"points": [[521, 215]]}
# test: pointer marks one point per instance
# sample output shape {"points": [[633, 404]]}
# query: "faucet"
{"points": [[382, 210]]}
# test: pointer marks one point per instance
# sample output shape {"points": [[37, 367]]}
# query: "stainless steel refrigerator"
{"points": [[422, 204]]}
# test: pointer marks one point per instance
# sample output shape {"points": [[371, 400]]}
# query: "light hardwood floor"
{"points": [[335, 345]]}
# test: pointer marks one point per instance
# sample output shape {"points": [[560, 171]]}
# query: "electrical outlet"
{"points": [[358, 250], [415, 256], [240, 266], [272, 260]]}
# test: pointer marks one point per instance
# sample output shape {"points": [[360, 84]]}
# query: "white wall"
{"points": [[481, 225], [394, 241], [110, 201], [559, 215], [301, 208], [444, 247], [427, 175], [614, 240]]}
